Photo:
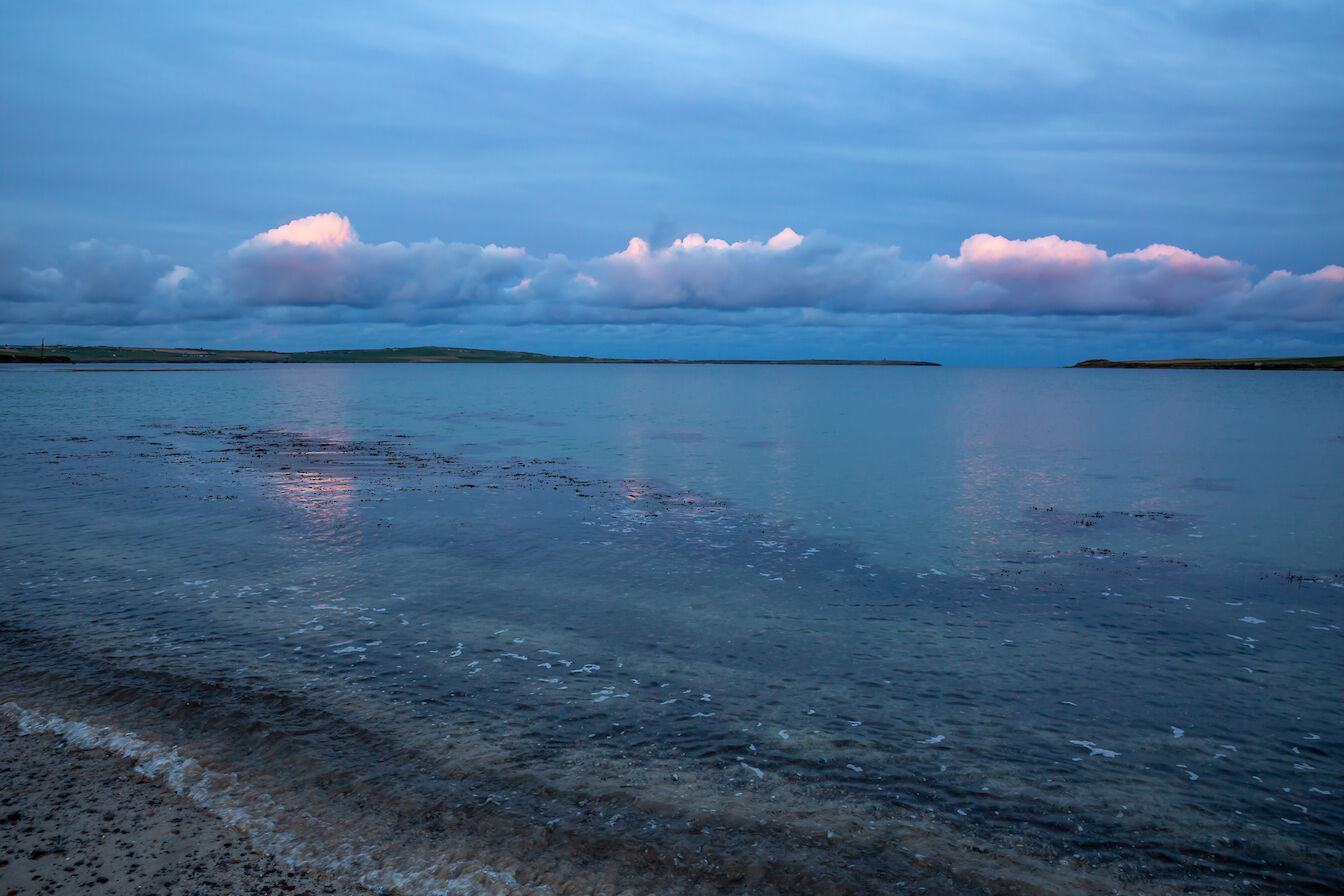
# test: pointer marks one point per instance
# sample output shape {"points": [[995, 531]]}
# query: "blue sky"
{"points": [[966, 182]]}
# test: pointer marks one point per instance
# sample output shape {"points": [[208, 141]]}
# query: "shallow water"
{"points": [[699, 629]]}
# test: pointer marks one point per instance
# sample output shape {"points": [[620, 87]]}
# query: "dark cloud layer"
{"points": [[317, 271]]}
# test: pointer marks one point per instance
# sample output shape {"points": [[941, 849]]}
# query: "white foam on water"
{"points": [[262, 817], [1252, 620], [1094, 750]]}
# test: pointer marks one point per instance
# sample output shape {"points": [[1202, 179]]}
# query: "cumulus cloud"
{"points": [[1049, 275], [320, 261], [990, 275], [695, 272], [99, 283], [317, 270], [1317, 297], [329, 231]]}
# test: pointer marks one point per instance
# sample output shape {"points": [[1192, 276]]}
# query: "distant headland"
{"points": [[1335, 362], [426, 354]]}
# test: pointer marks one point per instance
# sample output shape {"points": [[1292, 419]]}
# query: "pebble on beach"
{"points": [[84, 821]]}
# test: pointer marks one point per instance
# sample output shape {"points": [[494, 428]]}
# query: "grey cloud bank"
{"points": [[316, 272]]}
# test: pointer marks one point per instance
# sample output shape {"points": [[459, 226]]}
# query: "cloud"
{"points": [[1315, 298], [100, 273], [695, 272], [104, 284], [325, 231], [320, 262], [1049, 275], [990, 275], [317, 270]]}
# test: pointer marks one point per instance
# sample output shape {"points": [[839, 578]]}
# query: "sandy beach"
{"points": [[85, 821]]}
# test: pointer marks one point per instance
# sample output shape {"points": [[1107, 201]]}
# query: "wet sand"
{"points": [[85, 821]]}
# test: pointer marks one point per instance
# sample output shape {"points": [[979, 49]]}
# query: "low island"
{"points": [[427, 354], [1335, 362]]}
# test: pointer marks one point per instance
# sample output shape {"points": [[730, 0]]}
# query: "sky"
{"points": [[959, 181]]}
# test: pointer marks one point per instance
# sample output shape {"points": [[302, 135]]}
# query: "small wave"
{"points": [[267, 822]]}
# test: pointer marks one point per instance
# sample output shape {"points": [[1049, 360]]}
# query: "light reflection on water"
{"points": [[879, 453], [666, 625], [326, 501]]}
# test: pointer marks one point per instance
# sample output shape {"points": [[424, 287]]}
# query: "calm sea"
{"points": [[683, 629]]}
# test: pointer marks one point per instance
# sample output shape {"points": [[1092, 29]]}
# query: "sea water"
{"points": [[696, 629]]}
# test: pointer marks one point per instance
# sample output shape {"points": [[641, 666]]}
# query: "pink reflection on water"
{"points": [[320, 481], [324, 499]]}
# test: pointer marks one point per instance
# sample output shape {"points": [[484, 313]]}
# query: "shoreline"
{"points": [[74, 820]]}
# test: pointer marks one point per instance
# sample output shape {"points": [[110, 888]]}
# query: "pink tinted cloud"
{"points": [[320, 261], [1050, 275], [329, 231], [1017, 258], [317, 269]]}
